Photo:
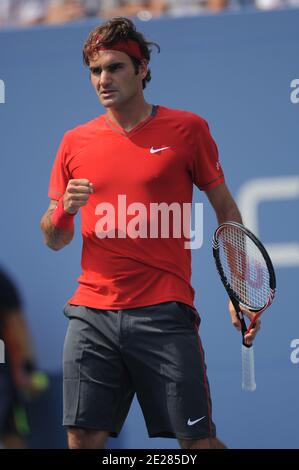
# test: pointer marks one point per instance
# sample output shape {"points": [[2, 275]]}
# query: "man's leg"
{"points": [[97, 388], [209, 443], [169, 373], [79, 438]]}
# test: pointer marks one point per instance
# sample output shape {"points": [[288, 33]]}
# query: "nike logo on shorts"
{"points": [[191, 423]]}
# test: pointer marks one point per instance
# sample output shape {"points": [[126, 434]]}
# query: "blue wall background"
{"points": [[233, 69]]}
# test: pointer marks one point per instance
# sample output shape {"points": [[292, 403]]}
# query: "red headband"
{"points": [[129, 47]]}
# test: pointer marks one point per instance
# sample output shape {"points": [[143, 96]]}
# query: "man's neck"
{"points": [[130, 115]]}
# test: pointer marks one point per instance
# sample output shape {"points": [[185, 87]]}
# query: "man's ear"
{"points": [[143, 68]]}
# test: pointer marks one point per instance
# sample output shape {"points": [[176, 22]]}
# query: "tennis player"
{"points": [[133, 326], [18, 374]]}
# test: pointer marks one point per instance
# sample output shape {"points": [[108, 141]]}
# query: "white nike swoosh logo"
{"points": [[190, 423], [152, 150]]}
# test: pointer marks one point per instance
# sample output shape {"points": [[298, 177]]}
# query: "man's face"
{"points": [[113, 77]]}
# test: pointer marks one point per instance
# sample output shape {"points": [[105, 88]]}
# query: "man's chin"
{"points": [[108, 103]]}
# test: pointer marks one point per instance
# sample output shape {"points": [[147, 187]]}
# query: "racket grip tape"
{"points": [[248, 376]]}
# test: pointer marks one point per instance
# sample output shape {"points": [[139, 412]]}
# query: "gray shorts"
{"points": [[153, 351]]}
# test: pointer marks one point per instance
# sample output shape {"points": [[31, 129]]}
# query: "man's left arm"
{"points": [[226, 210], [224, 204]]}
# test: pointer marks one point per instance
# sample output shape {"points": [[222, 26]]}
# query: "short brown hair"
{"points": [[113, 31]]}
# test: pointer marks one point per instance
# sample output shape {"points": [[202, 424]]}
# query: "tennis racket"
{"points": [[248, 276]]}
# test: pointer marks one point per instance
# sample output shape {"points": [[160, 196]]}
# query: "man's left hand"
{"points": [[250, 336]]}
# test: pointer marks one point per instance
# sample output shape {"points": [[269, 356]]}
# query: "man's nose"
{"points": [[105, 78]]}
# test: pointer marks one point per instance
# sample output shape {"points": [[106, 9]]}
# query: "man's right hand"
{"points": [[76, 195]]}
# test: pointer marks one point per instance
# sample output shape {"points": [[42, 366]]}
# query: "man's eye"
{"points": [[115, 67], [96, 71]]}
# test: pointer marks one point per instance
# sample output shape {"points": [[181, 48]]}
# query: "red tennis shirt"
{"points": [[130, 257]]}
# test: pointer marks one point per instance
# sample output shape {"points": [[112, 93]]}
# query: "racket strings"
{"points": [[244, 267]]}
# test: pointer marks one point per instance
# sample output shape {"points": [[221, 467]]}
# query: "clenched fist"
{"points": [[76, 195]]}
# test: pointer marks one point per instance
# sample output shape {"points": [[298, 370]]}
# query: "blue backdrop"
{"points": [[236, 71]]}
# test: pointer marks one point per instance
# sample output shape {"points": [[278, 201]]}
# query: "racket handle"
{"points": [[248, 377]]}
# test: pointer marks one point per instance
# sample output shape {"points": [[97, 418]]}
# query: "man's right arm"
{"points": [[54, 237], [57, 223]]}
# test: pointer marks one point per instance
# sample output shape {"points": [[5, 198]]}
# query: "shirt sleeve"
{"points": [[60, 174], [205, 168]]}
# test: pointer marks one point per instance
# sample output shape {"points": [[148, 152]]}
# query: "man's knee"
{"points": [[80, 438], [208, 443]]}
